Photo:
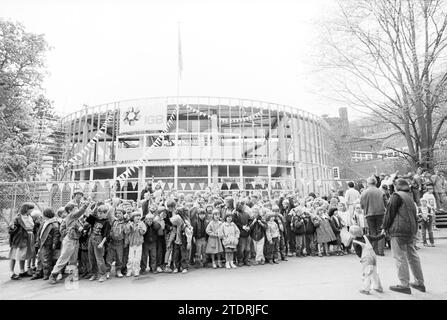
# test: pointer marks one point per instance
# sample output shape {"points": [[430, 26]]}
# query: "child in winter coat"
{"points": [[310, 238], [336, 225], [181, 242], [48, 240], [229, 233], [257, 232], [281, 222], [200, 237], [368, 259], [150, 244], [161, 240], [273, 236], [99, 235], [115, 248], [135, 229], [324, 232], [214, 245], [298, 228]]}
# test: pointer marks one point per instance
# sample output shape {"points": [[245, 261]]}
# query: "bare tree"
{"points": [[390, 59]]}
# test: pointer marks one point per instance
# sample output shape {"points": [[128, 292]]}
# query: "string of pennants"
{"points": [[157, 143], [88, 146], [170, 185], [244, 119]]}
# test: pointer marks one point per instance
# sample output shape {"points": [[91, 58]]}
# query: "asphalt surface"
{"points": [[334, 277]]}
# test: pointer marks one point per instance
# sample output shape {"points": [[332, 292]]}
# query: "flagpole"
{"points": [[177, 108]]}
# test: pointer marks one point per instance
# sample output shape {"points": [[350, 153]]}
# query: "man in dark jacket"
{"points": [[257, 234], [401, 224], [242, 220]]}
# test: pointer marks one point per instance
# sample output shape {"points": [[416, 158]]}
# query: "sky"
{"points": [[105, 51]]}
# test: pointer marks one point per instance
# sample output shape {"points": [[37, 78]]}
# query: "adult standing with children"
{"points": [[401, 224], [373, 202]]}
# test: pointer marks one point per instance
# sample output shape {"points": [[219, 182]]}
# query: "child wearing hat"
{"points": [[229, 233], [150, 244], [368, 259], [135, 230]]}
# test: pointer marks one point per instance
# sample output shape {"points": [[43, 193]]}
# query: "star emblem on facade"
{"points": [[132, 115]]}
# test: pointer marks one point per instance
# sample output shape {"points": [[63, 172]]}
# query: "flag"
{"points": [[180, 60]]}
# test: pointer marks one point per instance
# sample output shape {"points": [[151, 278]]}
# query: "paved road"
{"points": [[306, 278]]}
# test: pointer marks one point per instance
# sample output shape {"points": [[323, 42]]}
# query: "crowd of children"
{"points": [[172, 232]]}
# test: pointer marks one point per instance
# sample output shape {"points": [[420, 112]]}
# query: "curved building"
{"points": [[233, 144]]}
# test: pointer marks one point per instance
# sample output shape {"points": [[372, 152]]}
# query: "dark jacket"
{"points": [[242, 219], [257, 229], [309, 225], [18, 236], [358, 248], [298, 225], [50, 237], [336, 224], [151, 232], [401, 216], [199, 228]]}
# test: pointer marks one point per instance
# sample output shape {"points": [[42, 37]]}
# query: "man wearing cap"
{"points": [[401, 224], [373, 202]]}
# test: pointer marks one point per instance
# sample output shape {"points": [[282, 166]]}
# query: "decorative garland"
{"points": [[203, 114], [156, 143], [88, 146]]}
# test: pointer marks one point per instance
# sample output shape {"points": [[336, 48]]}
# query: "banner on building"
{"points": [[142, 116]]}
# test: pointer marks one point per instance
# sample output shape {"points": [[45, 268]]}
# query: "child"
{"points": [[309, 241], [425, 214], [214, 245], [272, 235], [324, 232], [359, 217], [298, 228], [115, 248], [200, 235], [135, 229], [229, 233], [161, 240], [100, 233], [150, 244], [85, 268], [48, 239], [257, 232], [180, 242], [280, 221], [336, 225], [368, 259]]}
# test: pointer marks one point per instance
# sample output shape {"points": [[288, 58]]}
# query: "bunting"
{"points": [[244, 119], [183, 185], [88, 146], [170, 185], [148, 151], [202, 186], [192, 185]]}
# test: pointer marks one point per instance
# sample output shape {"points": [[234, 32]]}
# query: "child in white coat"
{"points": [[368, 259]]}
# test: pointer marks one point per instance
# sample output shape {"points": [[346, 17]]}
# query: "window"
{"points": [[125, 143]]}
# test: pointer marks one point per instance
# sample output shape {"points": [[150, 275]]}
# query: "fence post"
{"points": [[14, 200]]}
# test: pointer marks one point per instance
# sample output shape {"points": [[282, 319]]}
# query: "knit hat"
{"points": [[149, 216], [356, 231], [135, 213]]}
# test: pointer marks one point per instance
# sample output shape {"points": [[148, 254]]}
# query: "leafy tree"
{"points": [[22, 68], [390, 59]]}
